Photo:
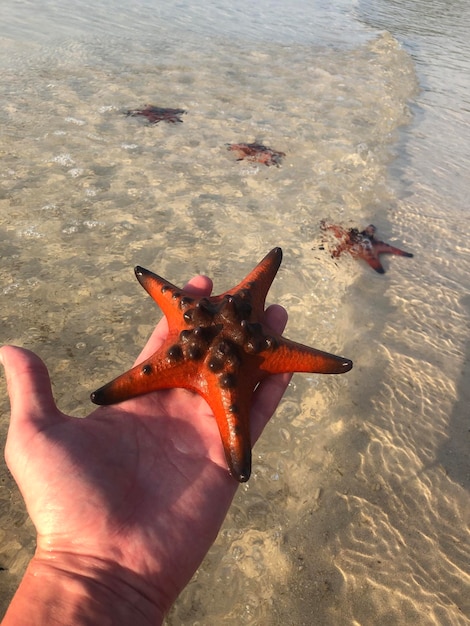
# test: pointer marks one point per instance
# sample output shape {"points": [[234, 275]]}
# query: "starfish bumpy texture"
{"points": [[219, 347]]}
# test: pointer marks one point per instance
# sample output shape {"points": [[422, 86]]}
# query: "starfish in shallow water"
{"points": [[256, 152], [219, 347], [158, 114], [362, 245]]}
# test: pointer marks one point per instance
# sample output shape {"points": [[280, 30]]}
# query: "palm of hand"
{"points": [[134, 483]]}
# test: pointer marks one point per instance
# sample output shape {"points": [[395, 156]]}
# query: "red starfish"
{"points": [[218, 347], [157, 114], [256, 152], [362, 245]]}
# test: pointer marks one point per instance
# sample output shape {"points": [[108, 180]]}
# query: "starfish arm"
{"points": [[372, 258], [259, 280], [338, 231], [231, 408], [169, 297], [290, 356], [338, 251], [381, 247], [157, 372]]}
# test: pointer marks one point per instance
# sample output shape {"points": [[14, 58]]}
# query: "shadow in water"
{"points": [[454, 455]]}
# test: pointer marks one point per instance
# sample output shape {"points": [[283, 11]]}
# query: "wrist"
{"points": [[63, 589]]}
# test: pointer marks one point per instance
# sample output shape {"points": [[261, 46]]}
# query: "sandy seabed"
{"points": [[357, 511]]}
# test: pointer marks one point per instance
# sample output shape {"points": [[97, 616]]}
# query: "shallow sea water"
{"points": [[357, 511]]}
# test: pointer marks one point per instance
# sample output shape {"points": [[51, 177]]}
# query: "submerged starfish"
{"points": [[157, 114], [256, 152], [362, 244], [219, 347]]}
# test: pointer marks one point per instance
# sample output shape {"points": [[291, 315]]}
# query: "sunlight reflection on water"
{"points": [[353, 494]]}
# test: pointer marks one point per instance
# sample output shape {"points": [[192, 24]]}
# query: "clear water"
{"points": [[357, 510]]}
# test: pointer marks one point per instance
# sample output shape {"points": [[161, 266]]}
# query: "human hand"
{"points": [[130, 498]]}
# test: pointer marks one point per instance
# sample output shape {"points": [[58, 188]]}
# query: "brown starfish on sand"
{"points": [[157, 114], [256, 152], [362, 245]]}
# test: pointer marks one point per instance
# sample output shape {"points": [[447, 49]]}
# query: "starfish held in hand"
{"points": [[219, 347]]}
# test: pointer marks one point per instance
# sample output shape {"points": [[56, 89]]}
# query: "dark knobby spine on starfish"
{"points": [[219, 347]]}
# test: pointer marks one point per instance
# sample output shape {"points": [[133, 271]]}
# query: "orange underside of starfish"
{"points": [[362, 245], [219, 347]]}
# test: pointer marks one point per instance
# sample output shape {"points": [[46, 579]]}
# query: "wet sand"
{"points": [[357, 508]]}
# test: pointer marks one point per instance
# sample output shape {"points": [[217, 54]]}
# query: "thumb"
{"points": [[29, 387]]}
